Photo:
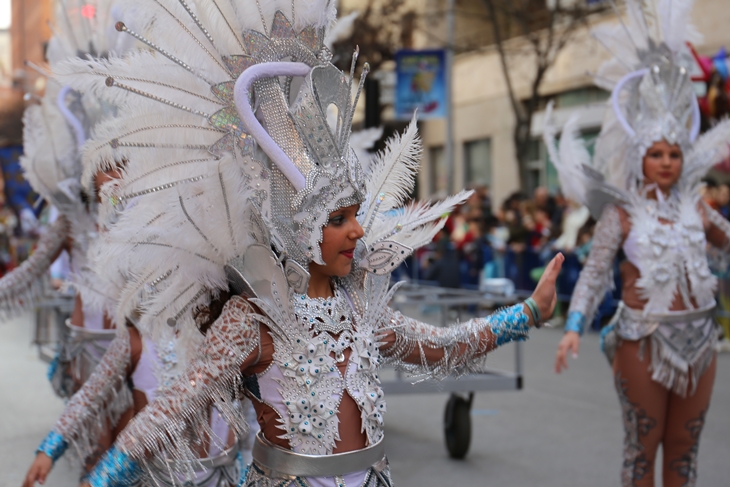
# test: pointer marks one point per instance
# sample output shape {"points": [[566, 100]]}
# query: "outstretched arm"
{"points": [[718, 228], [103, 398], [169, 426], [595, 279], [440, 352]]}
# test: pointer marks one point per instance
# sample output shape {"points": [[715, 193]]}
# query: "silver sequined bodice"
{"points": [[304, 384]]}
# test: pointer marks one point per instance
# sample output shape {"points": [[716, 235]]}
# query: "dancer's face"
{"points": [[339, 237], [663, 165], [104, 177]]}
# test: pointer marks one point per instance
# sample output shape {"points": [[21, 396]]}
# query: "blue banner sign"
{"points": [[421, 84]]}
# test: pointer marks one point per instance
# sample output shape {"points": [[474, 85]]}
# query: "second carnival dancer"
{"points": [[644, 189], [132, 368], [238, 181]]}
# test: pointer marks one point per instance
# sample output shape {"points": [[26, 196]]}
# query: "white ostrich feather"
{"points": [[393, 172], [709, 149], [302, 13], [182, 233], [130, 138], [342, 29], [677, 28], [417, 224], [569, 157], [224, 26], [49, 149], [362, 141], [661, 21], [146, 71]]}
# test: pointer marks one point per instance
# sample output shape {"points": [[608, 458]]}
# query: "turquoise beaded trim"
{"points": [[576, 322], [114, 469], [53, 445], [512, 324]]}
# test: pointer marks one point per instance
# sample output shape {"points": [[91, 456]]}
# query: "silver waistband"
{"points": [[81, 334], [684, 316], [633, 324], [277, 462], [222, 459]]}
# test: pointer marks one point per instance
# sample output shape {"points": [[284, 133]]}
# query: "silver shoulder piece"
{"points": [[260, 261]]}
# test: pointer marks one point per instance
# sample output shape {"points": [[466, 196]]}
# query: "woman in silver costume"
{"points": [[108, 376], [644, 189], [241, 178]]}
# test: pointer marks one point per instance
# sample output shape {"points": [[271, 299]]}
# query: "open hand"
{"points": [[569, 342], [545, 295], [38, 470]]}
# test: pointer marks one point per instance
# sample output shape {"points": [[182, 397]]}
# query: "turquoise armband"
{"points": [[114, 469], [53, 445], [576, 322], [510, 324]]}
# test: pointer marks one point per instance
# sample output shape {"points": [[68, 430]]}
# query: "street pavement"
{"points": [[558, 431]]}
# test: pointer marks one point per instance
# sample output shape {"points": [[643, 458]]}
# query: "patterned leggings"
{"points": [[653, 415]]}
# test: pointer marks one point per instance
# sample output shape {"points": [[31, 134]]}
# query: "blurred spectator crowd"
{"points": [[518, 238]]}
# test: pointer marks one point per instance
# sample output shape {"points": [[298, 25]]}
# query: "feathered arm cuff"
{"points": [[21, 288], [177, 422], [102, 400], [597, 275], [456, 350]]}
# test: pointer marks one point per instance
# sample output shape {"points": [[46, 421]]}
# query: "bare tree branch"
{"points": [[546, 32]]}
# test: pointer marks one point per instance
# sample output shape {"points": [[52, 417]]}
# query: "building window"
{"points": [[478, 162], [439, 178], [536, 165]]}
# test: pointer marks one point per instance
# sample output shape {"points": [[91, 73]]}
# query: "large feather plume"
{"points": [[390, 182], [171, 246], [659, 21], [569, 158], [50, 152], [393, 172], [415, 225], [709, 149]]}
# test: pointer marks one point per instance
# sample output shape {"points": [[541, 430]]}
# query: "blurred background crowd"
{"points": [[483, 240]]}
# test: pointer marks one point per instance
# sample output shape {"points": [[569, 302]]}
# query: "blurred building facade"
{"points": [[484, 151]]}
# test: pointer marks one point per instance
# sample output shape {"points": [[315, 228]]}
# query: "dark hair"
{"points": [[205, 316], [710, 182]]}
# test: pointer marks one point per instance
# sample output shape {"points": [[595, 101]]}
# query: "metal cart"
{"points": [[457, 413], [51, 313]]}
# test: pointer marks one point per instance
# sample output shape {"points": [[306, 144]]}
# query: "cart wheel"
{"points": [[457, 425]]}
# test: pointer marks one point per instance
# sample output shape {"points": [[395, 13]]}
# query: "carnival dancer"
{"points": [[258, 244], [128, 374], [643, 187], [54, 131]]}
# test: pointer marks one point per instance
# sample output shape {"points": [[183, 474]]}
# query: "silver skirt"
{"points": [[682, 343]]}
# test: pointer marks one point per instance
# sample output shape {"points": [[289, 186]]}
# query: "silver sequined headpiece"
{"points": [[313, 171], [656, 102]]}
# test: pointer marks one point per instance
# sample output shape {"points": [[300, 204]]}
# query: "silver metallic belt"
{"points": [[683, 316], [81, 334], [633, 324], [277, 462], [222, 459]]}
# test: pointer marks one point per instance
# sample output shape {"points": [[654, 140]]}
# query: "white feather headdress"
{"points": [[199, 177], [53, 133], [652, 99]]}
